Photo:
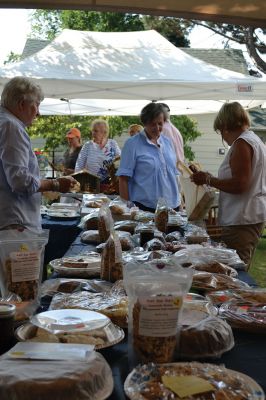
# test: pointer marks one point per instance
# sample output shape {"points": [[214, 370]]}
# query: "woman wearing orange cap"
{"points": [[70, 157]]}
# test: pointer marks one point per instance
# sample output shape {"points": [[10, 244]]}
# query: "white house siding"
{"points": [[206, 147]]}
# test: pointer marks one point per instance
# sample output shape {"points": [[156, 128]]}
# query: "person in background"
{"points": [[70, 156], [170, 131], [134, 129], [148, 164], [97, 153], [20, 183], [241, 181]]}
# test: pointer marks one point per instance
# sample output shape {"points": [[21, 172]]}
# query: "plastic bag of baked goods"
{"points": [[161, 215], [106, 223], [209, 338], [90, 221], [118, 206], [21, 265], [111, 261], [155, 290]]}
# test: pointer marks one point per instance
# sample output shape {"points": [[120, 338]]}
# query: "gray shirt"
{"points": [[19, 175]]}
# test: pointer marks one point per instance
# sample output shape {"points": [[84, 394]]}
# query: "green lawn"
{"points": [[258, 266]]}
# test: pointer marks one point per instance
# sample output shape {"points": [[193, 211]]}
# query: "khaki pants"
{"points": [[244, 239]]}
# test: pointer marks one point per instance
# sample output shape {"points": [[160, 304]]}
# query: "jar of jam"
{"points": [[7, 314]]}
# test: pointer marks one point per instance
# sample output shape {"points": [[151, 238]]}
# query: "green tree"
{"points": [[253, 39], [54, 128], [47, 24], [12, 57]]}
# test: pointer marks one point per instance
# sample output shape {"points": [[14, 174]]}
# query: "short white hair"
{"points": [[20, 88]]}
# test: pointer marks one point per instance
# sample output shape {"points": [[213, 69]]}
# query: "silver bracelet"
{"points": [[55, 185]]}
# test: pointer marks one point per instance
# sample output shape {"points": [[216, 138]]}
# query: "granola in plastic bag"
{"points": [[21, 265], [155, 290]]}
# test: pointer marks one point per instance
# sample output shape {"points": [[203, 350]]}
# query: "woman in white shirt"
{"points": [[241, 181], [97, 153]]}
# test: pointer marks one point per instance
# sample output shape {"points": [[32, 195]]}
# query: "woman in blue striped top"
{"points": [[97, 153]]}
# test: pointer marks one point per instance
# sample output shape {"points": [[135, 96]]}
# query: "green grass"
{"points": [[258, 266]]}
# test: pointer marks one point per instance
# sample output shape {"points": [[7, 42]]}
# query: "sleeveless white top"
{"points": [[249, 207]]}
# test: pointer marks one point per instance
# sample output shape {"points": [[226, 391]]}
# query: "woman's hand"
{"points": [[66, 184], [201, 178]]}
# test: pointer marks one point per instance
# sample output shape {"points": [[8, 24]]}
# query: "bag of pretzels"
{"points": [[155, 291], [21, 266]]}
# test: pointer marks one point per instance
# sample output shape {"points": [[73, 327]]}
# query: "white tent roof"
{"points": [[129, 66], [131, 107]]}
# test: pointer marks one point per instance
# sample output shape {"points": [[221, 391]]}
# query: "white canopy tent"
{"points": [[82, 72], [102, 107]]}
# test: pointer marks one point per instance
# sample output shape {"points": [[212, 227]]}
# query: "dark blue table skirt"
{"points": [[62, 234]]}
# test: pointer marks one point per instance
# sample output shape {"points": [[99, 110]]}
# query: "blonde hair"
{"points": [[134, 128], [100, 121], [231, 116]]}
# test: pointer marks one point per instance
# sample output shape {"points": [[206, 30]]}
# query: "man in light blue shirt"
{"points": [[148, 164]]}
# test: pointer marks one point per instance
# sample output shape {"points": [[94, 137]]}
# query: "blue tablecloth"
{"points": [[62, 234], [248, 355]]}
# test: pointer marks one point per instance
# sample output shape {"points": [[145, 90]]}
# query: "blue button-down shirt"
{"points": [[19, 175], [151, 170]]}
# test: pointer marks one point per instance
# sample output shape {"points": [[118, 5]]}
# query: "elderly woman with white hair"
{"points": [[20, 181], [97, 153]]}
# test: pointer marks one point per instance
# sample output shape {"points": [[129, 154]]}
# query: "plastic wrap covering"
{"points": [[90, 237], [85, 265], [217, 268], [251, 295], [156, 290], [196, 235], [154, 244], [208, 281], [92, 200], [161, 215], [173, 236], [111, 259], [148, 382], [57, 380], [245, 315], [207, 255], [127, 226], [90, 221], [113, 305], [21, 265], [210, 337], [144, 216], [118, 206], [68, 285], [105, 224]]}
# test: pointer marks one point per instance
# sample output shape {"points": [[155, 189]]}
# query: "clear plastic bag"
{"points": [[210, 337], [90, 221], [155, 290], [106, 223], [91, 236], [118, 206], [111, 261], [21, 266], [161, 215]]}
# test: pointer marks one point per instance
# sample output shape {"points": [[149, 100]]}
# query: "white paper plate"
{"points": [[92, 266], [63, 214], [69, 320], [142, 374], [113, 333]]}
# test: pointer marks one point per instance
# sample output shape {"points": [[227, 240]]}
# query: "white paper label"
{"points": [[159, 316], [25, 266]]}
